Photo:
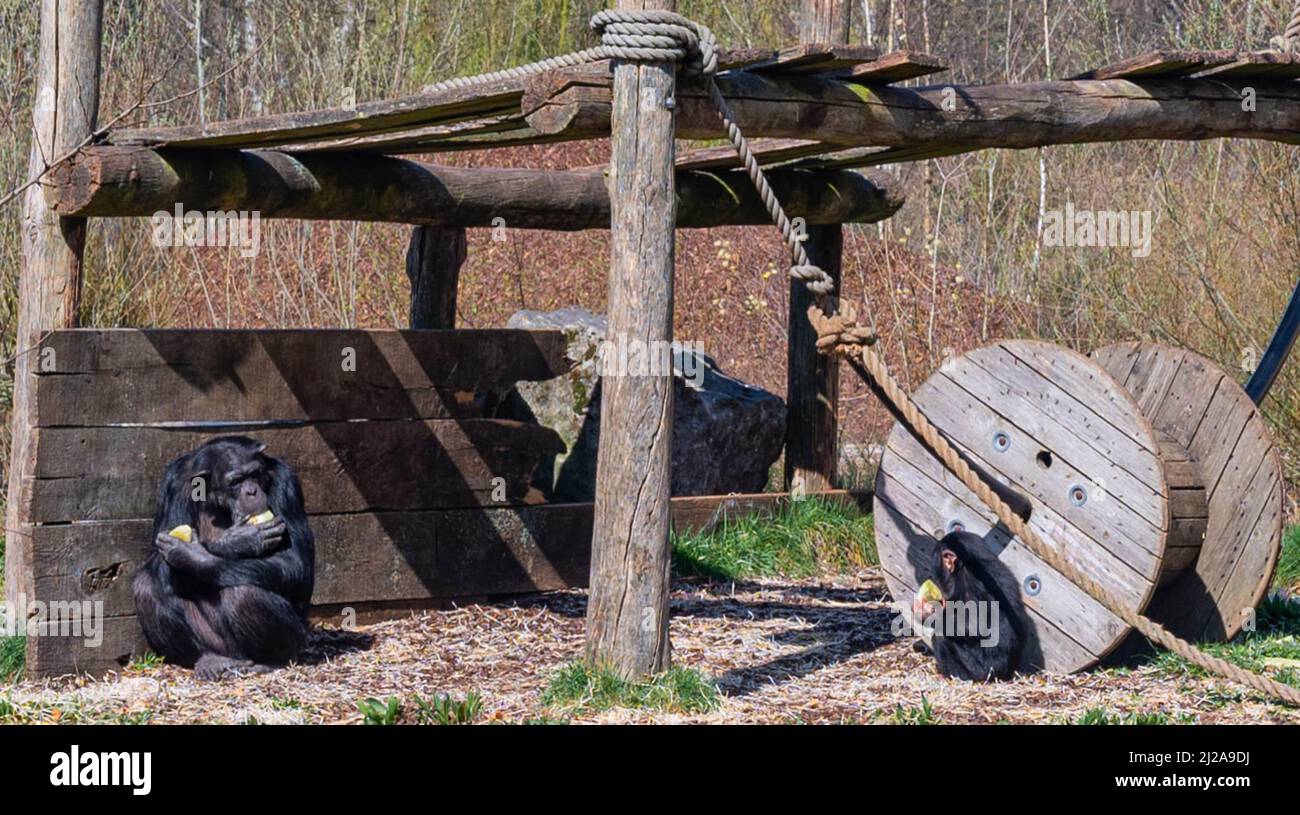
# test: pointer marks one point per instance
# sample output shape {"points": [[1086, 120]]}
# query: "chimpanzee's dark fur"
{"points": [[964, 579], [236, 598]]}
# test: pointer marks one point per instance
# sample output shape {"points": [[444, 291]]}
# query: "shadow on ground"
{"points": [[833, 625]]}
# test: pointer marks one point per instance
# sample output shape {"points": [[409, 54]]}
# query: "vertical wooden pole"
{"points": [[49, 287], [627, 611], [433, 262], [813, 380]]}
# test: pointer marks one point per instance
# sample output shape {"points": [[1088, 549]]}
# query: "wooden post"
{"points": [[627, 611], [813, 380], [49, 287], [433, 263]]}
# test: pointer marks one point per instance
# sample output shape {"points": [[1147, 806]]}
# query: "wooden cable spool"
{"points": [[1206, 413], [1112, 476]]}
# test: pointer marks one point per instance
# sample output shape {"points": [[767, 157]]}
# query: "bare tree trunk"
{"points": [[825, 21], [255, 104], [49, 288], [198, 60], [813, 379], [627, 612]]}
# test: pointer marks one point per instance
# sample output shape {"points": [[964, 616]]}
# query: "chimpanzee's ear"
{"points": [[949, 560]]}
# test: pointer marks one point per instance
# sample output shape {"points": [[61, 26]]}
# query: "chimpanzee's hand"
{"points": [[247, 540], [271, 534], [180, 555]]}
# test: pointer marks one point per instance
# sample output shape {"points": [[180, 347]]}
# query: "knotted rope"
{"points": [[661, 36]]}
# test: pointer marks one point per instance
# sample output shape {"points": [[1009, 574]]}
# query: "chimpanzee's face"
{"points": [[237, 480], [243, 489]]}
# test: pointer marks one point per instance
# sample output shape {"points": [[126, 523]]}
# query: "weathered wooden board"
{"points": [[1041, 421], [368, 118], [1267, 65], [898, 66], [111, 473], [1194, 402], [1163, 64], [767, 151], [814, 58], [202, 376], [395, 560]]}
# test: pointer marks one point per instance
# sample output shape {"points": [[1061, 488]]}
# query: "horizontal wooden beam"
{"points": [[111, 473], [211, 377], [392, 560], [140, 181], [960, 117]]}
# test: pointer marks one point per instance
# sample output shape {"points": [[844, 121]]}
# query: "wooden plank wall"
{"points": [[386, 430]]}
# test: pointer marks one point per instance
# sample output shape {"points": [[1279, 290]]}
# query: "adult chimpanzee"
{"points": [[234, 598], [976, 635]]}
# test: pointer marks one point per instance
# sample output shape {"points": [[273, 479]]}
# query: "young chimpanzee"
{"points": [[234, 598], [976, 635]]}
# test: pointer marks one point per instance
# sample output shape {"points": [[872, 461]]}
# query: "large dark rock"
{"points": [[726, 434]]}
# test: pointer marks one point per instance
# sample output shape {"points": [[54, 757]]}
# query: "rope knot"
{"points": [[657, 36], [840, 333], [814, 277]]}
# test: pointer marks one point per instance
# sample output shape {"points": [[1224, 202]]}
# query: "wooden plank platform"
{"points": [[1164, 64], [1267, 65], [391, 561], [814, 58], [898, 66], [767, 151]]}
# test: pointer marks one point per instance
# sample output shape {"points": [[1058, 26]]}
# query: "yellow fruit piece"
{"points": [[929, 591], [184, 532], [261, 517]]}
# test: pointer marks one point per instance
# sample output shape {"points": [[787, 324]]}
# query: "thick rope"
{"points": [[1290, 36], [662, 36], [637, 36]]}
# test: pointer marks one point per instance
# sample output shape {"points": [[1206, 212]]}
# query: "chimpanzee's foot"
{"points": [[212, 667]]}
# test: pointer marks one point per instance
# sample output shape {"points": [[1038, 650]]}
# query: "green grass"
{"points": [[376, 711], [13, 650], [679, 690], [443, 709], [924, 714], [1287, 575], [1276, 637], [1099, 715], [805, 538], [13, 657], [145, 662]]}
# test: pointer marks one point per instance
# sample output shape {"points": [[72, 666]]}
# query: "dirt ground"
{"points": [[779, 650]]}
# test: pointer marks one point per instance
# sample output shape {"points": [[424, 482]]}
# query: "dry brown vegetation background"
{"points": [[961, 263]]}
